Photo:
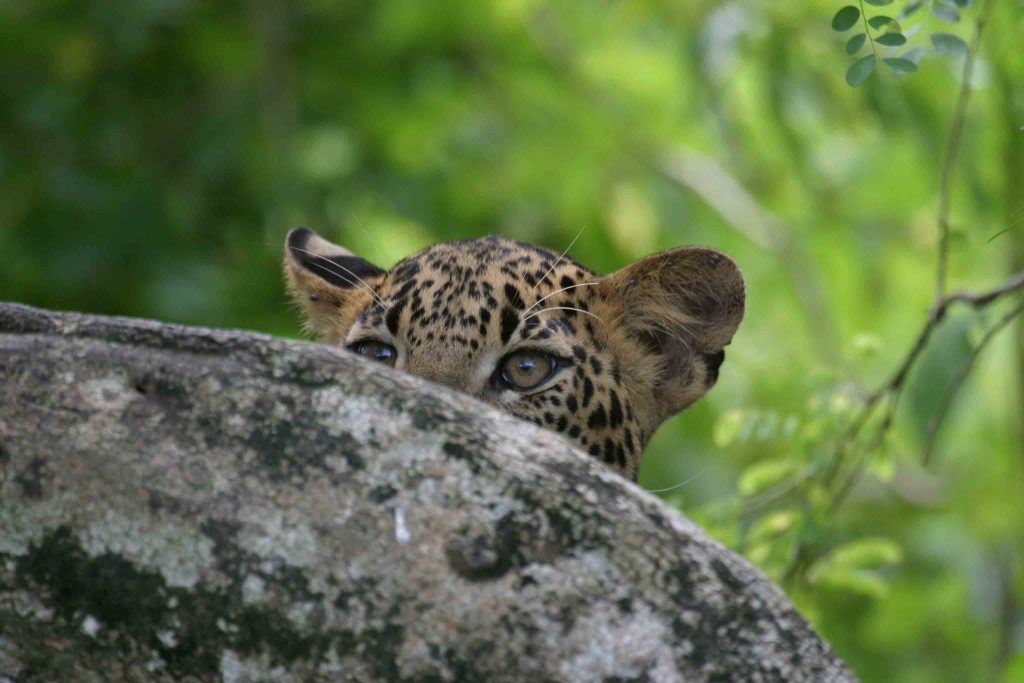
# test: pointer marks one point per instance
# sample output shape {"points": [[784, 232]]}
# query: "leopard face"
{"points": [[601, 359]]}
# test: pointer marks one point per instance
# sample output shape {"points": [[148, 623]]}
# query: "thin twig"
{"points": [[961, 376], [953, 148]]}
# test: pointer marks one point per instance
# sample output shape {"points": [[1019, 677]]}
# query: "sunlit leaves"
{"points": [[881, 21], [845, 18], [764, 474], [740, 426], [855, 566], [860, 70]]}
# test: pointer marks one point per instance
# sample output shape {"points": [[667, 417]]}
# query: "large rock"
{"points": [[194, 504]]}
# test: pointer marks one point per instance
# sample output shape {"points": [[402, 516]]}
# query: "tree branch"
{"points": [[961, 376], [953, 148]]}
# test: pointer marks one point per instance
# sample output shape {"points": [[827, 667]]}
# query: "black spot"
{"points": [[598, 418], [615, 411], [580, 354], [574, 431], [509, 322], [595, 364], [394, 313], [513, 297], [588, 391], [571, 404], [566, 281]]}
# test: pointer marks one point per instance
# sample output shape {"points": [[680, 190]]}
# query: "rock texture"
{"points": [[207, 505]]}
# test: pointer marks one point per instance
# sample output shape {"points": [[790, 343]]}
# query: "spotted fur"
{"points": [[633, 347]]}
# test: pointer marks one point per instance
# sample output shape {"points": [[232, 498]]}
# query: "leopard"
{"points": [[603, 360]]}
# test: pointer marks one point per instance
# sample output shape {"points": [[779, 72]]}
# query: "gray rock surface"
{"points": [[192, 504]]}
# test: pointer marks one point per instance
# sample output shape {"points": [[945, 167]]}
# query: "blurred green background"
{"points": [[154, 153]]}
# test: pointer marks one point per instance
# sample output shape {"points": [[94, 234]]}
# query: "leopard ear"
{"points": [[684, 305], [327, 281]]}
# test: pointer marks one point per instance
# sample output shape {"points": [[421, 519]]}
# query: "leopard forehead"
{"points": [[458, 288]]}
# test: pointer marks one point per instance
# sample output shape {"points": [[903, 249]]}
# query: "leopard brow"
{"points": [[582, 284], [373, 294]]}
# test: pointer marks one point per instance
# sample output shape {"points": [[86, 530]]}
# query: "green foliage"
{"points": [[153, 154], [890, 34]]}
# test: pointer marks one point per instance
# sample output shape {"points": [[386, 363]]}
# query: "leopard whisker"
{"points": [[679, 485], [562, 308], [561, 257], [582, 284]]}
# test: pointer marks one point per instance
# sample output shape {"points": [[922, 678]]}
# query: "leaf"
{"points": [[900, 65], [864, 583], [879, 3], [880, 22], [891, 39], [772, 525], [727, 428], [845, 18], [946, 13], [867, 344], [914, 54], [865, 553], [947, 43], [860, 70], [964, 3], [911, 8], [762, 475], [853, 45]]}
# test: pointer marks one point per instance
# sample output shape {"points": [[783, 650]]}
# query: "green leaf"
{"points": [[856, 43], [865, 553], [727, 428], [914, 54], [772, 525], [900, 65], [881, 21], [891, 39], [911, 7], [762, 475], [867, 344], [845, 18], [964, 3], [946, 13], [864, 583], [860, 70], [879, 3], [947, 43]]}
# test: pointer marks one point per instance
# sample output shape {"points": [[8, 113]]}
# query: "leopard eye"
{"points": [[375, 350], [526, 369]]}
